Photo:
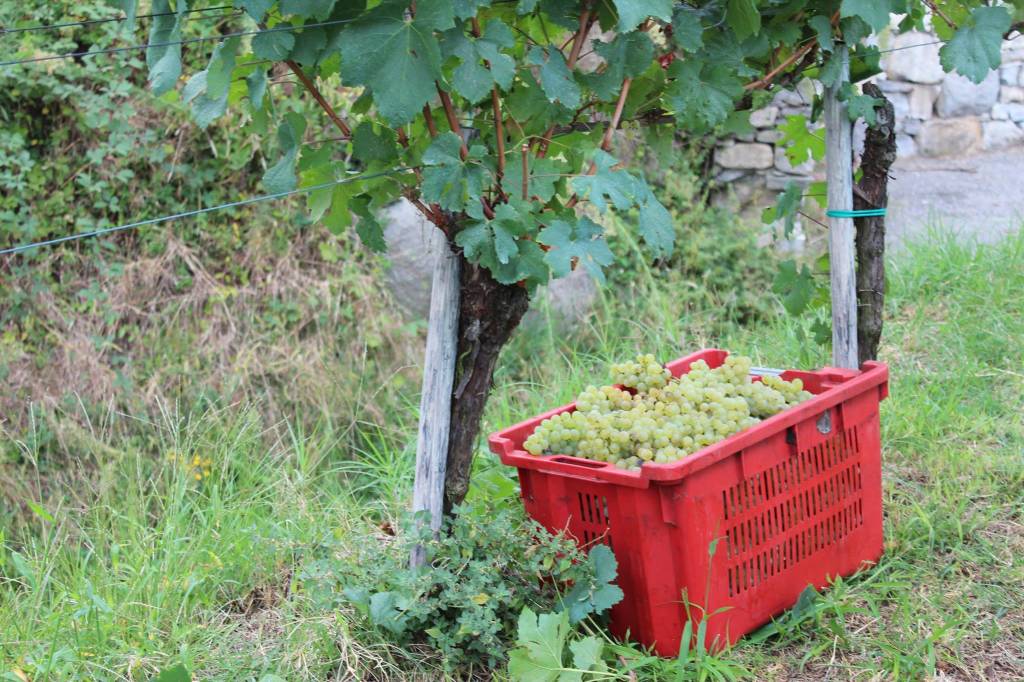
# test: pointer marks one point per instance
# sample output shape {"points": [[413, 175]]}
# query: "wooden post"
{"points": [[436, 395], [839, 169]]}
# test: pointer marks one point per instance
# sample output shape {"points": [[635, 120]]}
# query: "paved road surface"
{"points": [[980, 196]]}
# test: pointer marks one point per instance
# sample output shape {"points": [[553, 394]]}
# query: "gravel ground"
{"points": [[980, 196]]}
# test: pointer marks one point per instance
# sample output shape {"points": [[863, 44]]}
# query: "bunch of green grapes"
{"points": [[642, 374], [665, 419]]}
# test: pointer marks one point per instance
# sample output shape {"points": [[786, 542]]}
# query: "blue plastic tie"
{"points": [[863, 213]]}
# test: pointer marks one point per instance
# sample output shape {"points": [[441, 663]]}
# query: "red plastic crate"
{"points": [[795, 500]]}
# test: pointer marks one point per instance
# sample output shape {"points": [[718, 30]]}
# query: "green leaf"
{"points": [[975, 48], [632, 12], [583, 241], [687, 29], [164, 61], [387, 611], [274, 45], [743, 17], [874, 12], [785, 208], [656, 228], [545, 174], [281, 176], [319, 9], [207, 90], [371, 144], [555, 78], [823, 30], [471, 78], [540, 641], [447, 179], [465, 9], [398, 60], [178, 673], [257, 9], [222, 64], [701, 95], [339, 217], [627, 56], [128, 7], [256, 82], [371, 231], [618, 186], [800, 142], [586, 654], [861, 106], [309, 45], [796, 287]]}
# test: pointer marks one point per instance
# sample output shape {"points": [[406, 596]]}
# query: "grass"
{"points": [[122, 563]]}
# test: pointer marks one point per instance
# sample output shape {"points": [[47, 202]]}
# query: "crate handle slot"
{"points": [[579, 462], [824, 422]]}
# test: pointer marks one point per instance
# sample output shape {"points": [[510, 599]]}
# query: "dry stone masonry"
{"points": [[938, 114]]}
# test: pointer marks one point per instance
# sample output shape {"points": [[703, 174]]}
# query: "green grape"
{"points": [[667, 418]]}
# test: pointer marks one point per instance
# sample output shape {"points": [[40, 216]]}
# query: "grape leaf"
{"points": [[281, 176], [656, 227], [586, 654], [800, 142], [398, 60], [974, 49], [823, 30], [796, 287], [544, 176], [471, 78], [320, 9], [164, 61], [632, 12], [861, 106], [309, 45], [222, 64], [596, 595], [743, 17], [874, 12], [627, 56], [371, 232], [701, 95], [257, 9], [616, 185], [540, 641], [687, 30], [555, 78], [785, 208], [465, 9], [129, 7], [207, 90], [447, 179], [583, 241], [273, 45], [256, 82], [370, 144]]}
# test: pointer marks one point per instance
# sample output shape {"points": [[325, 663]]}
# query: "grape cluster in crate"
{"points": [[657, 418]]}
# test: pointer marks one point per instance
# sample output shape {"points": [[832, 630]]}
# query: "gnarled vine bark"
{"points": [[872, 192]]}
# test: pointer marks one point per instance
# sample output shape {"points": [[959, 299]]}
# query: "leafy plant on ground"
{"points": [[488, 565]]}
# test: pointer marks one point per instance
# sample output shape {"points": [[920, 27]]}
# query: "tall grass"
{"points": [[124, 562]]}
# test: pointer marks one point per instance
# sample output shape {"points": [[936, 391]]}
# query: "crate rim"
{"points": [[847, 383]]}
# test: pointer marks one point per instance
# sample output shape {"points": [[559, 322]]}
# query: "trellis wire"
{"points": [[138, 17], [187, 41], [198, 211]]}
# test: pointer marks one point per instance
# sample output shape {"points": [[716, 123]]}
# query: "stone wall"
{"points": [[938, 114]]}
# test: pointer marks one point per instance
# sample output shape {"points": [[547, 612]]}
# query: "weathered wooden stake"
{"points": [[839, 169], [436, 395]]}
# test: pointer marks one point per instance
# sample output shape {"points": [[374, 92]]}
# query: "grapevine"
{"points": [[651, 417]]}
